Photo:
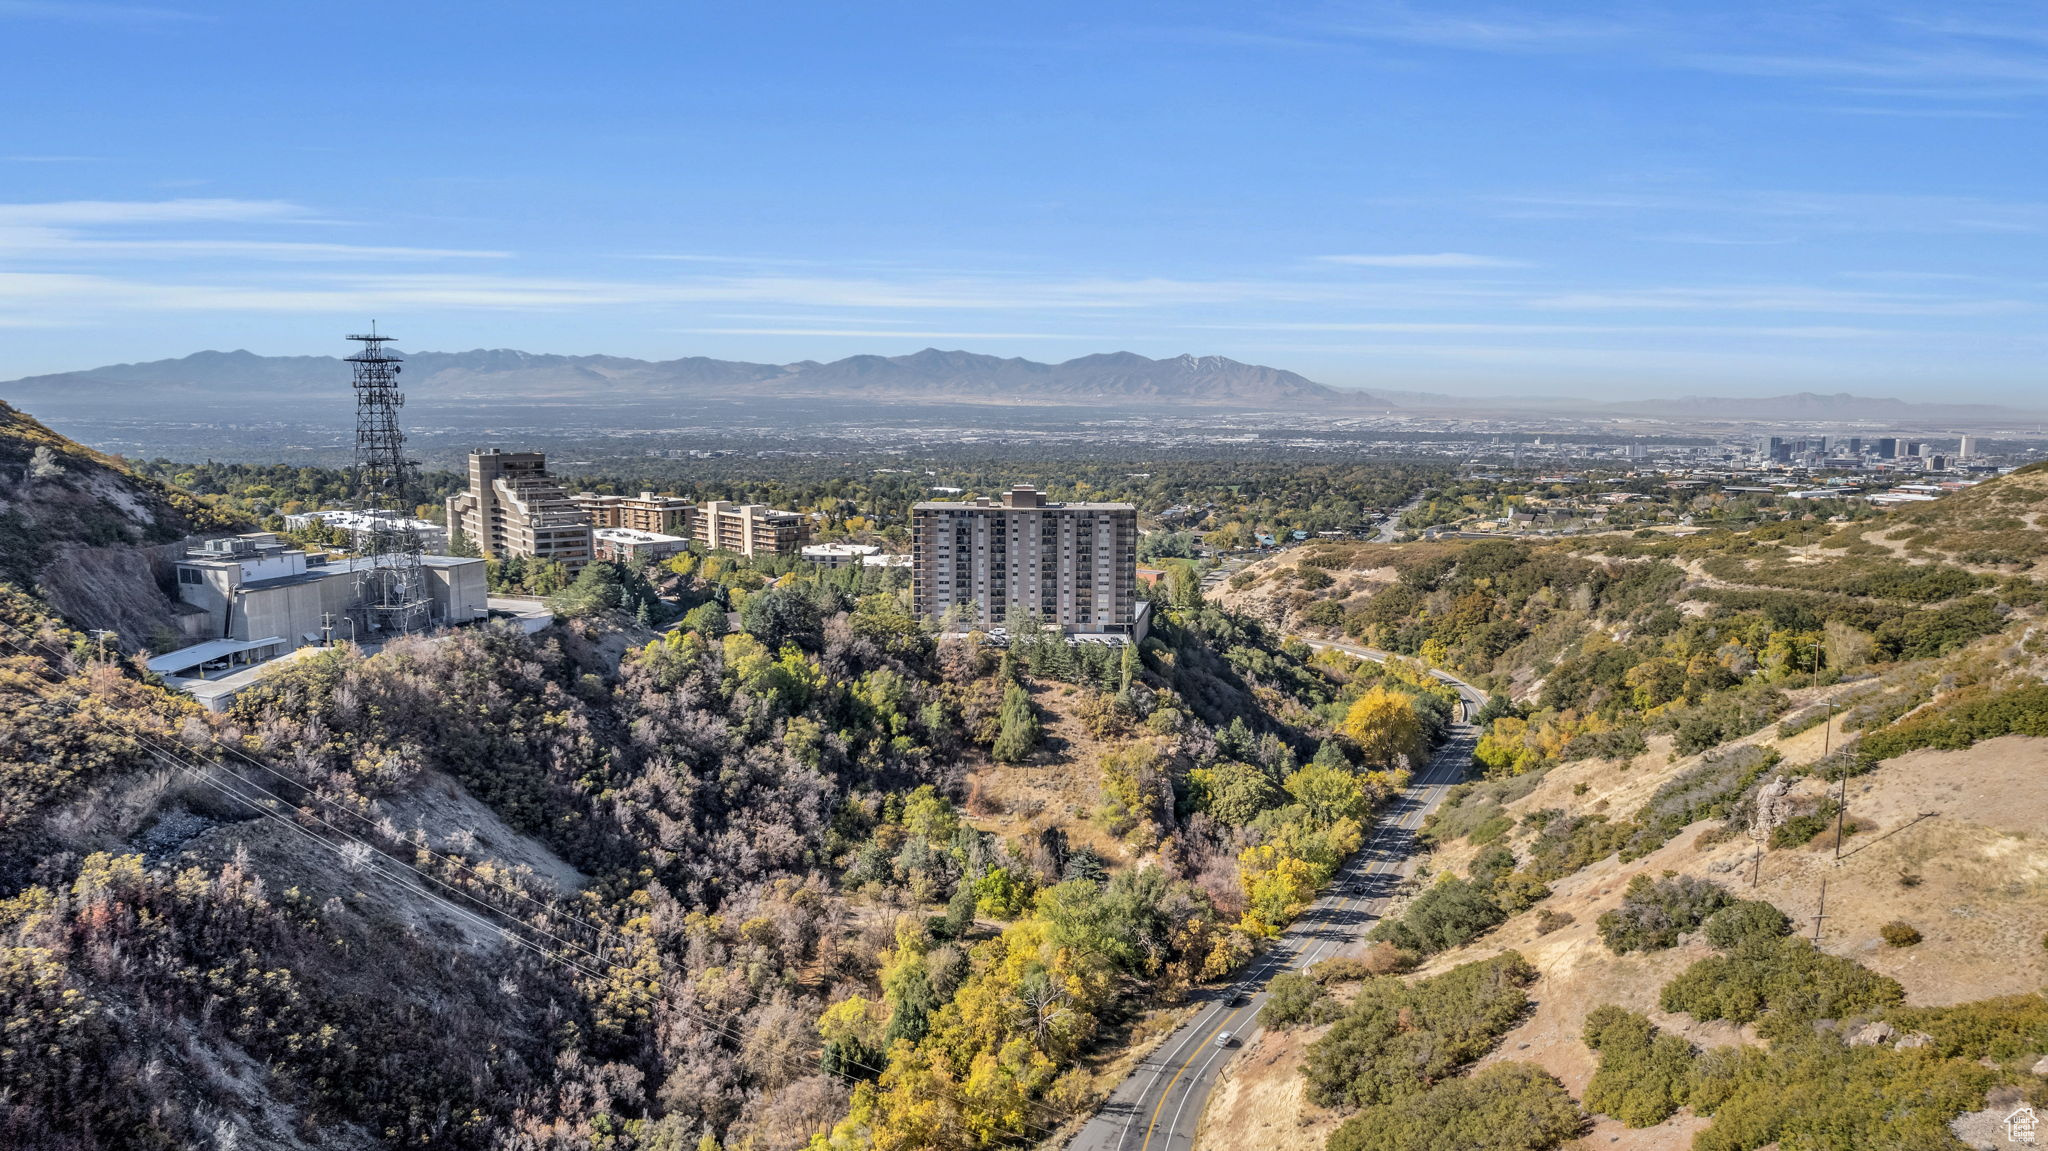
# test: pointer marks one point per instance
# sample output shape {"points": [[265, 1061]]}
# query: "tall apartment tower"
{"points": [[1073, 565], [1966, 449], [513, 507]]}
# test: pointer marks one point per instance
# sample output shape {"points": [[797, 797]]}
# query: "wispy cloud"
{"points": [[56, 243], [1483, 328], [90, 212], [883, 334], [1826, 211], [1423, 260], [1489, 31], [1943, 73], [80, 12], [1793, 299], [1877, 50], [76, 230]]}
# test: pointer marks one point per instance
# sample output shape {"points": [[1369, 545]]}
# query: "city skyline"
{"points": [[1622, 202]]}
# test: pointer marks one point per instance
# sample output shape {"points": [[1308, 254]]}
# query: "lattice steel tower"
{"points": [[394, 589]]}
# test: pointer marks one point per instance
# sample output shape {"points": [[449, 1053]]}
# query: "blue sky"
{"points": [[1631, 199]]}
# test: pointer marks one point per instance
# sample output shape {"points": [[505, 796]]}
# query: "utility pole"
{"points": [[102, 634], [327, 629], [1841, 814], [1822, 913]]}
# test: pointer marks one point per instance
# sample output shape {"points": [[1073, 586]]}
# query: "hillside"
{"points": [[218, 382], [1661, 700], [70, 519], [821, 879]]}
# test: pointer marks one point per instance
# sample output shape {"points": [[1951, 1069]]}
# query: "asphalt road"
{"points": [[1159, 1106]]}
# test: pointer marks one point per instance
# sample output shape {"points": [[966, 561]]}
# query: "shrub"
{"points": [[1506, 1107], [2008, 1027], [1810, 1091], [1802, 829], [1724, 716], [1899, 933], [1790, 979], [1975, 714], [1294, 1000], [1379, 959], [1548, 921], [1655, 913], [1396, 1038], [1564, 844], [1746, 924], [1453, 911], [1324, 613], [1708, 791], [1643, 1076]]}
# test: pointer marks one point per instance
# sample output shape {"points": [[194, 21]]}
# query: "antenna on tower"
{"points": [[393, 586]]}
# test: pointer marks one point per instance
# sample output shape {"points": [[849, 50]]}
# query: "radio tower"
{"points": [[394, 589]]}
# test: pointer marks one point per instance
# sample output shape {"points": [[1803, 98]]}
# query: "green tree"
{"points": [[1020, 730]]}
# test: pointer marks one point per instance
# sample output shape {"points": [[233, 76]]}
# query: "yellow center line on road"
{"points": [[1371, 869]]}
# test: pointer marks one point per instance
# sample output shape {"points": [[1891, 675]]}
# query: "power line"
{"points": [[456, 862], [598, 975]]}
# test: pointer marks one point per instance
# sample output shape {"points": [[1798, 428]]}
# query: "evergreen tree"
{"points": [[1020, 729]]}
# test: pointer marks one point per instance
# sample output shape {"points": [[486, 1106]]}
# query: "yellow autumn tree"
{"points": [[1386, 727], [1276, 887]]}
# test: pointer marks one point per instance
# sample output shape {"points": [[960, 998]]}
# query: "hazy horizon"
{"points": [[1468, 199]]}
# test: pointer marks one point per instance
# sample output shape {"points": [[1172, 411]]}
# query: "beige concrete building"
{"points": [[749, 529], [513, 507], [989, 564], [646, 512]]}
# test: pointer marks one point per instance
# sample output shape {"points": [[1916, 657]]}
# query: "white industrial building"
{"points": [[250, 597]]}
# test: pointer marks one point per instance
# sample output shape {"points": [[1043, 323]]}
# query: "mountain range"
{"points": [[496, 374]]}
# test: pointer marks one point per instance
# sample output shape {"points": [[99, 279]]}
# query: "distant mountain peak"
{"points": [[241, 378]]}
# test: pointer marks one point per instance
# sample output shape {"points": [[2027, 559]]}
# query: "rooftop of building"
{"points": [[1021, 497], [322, 568], [636, 536], [643, 498], [994, 506]]}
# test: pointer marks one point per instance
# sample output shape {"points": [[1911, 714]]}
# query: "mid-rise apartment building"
{"points": [[992, 564], [513, 507], [749, 529], [646, 512]]}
